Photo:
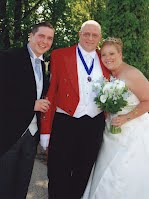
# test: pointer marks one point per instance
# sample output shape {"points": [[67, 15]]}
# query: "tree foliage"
{"points": [[17, 17], [127, 19]]}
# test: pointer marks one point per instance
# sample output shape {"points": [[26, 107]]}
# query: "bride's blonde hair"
{"points": [[117, 42]]}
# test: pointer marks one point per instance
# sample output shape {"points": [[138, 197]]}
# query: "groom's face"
{"points": [[41, 41]]}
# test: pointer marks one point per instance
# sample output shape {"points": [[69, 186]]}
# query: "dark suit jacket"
{"points": [[18, 95], [64, 90]]}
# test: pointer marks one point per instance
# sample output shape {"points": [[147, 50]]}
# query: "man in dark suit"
{"points": [[22, 87], [77, 126]]}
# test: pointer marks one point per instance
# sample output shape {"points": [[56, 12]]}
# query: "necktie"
{"points": [[37, 67], [89, 60]]}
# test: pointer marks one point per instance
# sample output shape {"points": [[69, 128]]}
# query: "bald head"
{"points": [[91, 22]]}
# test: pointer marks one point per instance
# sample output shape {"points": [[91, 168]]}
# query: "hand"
{"points": [[42, 105], [119, 120]]}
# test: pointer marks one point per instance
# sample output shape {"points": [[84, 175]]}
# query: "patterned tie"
{"points": [[37, 67]]}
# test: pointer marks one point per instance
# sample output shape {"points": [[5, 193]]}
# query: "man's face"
{"points": [[89, 37], [42, 40]]}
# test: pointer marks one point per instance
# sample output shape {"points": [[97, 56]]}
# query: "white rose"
{"points": [[108, 87], [103, 98], [120, 84]]}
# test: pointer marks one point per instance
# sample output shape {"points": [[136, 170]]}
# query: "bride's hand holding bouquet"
{"points": [[111, 97]]}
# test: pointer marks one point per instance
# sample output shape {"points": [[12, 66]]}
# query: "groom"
{"points": [[74, 122]]}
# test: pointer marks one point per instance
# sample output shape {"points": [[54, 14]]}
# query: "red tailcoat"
{"points": [[64, 90]]}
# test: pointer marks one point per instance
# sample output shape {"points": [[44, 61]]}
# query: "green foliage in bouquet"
{"points": [[112, 106], [111, 97]]}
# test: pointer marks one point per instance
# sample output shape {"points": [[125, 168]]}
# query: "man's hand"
{"points": [[42, 105]]}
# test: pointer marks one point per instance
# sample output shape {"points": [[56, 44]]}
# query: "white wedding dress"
{"points": [[122, 167]]}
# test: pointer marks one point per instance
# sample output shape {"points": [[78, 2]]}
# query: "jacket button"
{"points": [[67, 95]]}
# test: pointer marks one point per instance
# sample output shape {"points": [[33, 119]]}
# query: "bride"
{"points": [[122, 167]]}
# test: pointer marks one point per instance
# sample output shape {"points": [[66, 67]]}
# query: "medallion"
{"points": [[89, 79]]}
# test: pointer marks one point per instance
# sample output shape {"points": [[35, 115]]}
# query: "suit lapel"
{"points": [[71, 67], [45, 79], [28, 70]]}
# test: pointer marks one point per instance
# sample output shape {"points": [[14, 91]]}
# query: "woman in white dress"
{"points": [[122, 167]]}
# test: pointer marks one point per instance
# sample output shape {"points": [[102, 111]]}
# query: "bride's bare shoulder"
{"points": [[136, 81], [133, 77], [132, 73]]}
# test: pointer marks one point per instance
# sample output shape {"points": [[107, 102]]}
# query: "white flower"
{"points": [[103, 98], [112, 79], [97, 87], [111, 96], [119, 84], [108, 86]]}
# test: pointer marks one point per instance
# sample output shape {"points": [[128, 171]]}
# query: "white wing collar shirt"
{"points": [[86, 104]]}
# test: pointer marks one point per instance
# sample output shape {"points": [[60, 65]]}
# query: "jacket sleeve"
{"points": [[46, 122]]}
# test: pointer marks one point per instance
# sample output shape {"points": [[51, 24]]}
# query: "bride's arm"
{"points": [[139, 85]]}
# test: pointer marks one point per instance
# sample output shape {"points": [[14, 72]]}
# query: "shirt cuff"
{"points": [[44, 140]]}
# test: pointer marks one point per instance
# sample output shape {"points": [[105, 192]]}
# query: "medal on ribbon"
{"points": [[88, 70]]}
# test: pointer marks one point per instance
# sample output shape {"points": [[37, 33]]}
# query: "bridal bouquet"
{"points": [[111, 97]]}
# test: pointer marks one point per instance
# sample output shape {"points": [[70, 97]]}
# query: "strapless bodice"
{"points": [[132, 100]]}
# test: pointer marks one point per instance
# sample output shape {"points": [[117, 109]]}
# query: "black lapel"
{"points": [[45, 79]]}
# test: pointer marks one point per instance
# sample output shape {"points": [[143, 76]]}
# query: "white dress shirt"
{"points": [[39, 86]]}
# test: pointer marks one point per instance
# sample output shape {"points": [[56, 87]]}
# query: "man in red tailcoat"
{"points": [[73, 126]]}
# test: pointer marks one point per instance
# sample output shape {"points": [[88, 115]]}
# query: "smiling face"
{"points": [[89, 37], [111, 56], [41, 41]]}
